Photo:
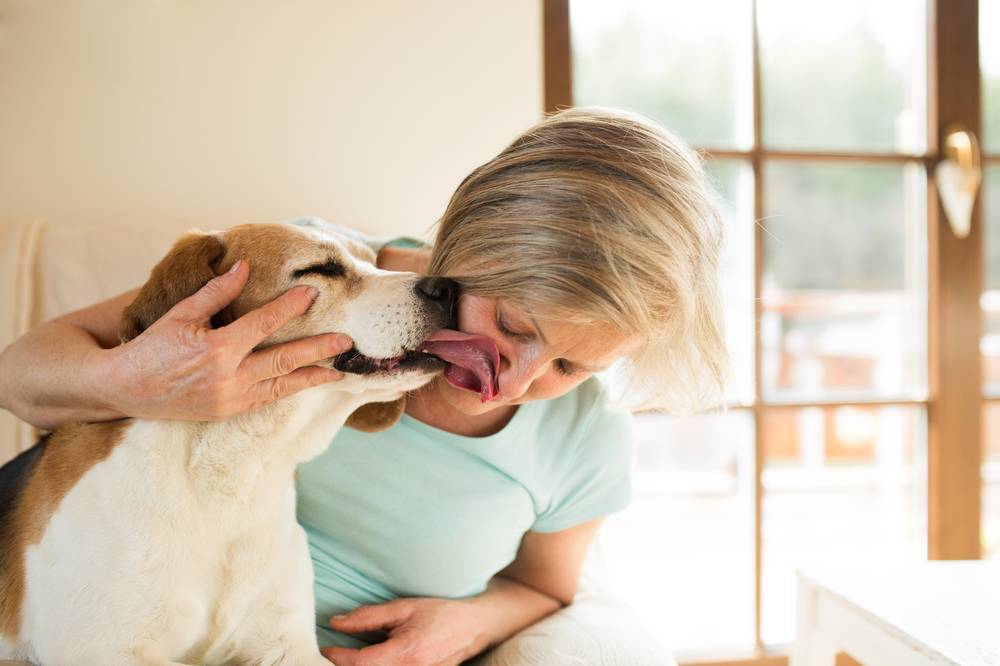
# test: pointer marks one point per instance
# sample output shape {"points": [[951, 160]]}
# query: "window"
{"points": [[819, 124]]}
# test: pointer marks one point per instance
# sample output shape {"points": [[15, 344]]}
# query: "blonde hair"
{"points": [[597, 215]]}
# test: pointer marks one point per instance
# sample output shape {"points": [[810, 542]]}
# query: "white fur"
{"points": [[182, 546]]}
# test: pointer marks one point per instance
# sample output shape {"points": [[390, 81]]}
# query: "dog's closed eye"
{"points": [[329, 268]]}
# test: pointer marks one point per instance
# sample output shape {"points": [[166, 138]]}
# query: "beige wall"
{"points": [[145, 116], [208, 113]]}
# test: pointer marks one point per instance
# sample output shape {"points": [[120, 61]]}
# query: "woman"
{"points": [[590, 242]]}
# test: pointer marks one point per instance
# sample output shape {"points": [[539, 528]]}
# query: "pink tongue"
{"points": [[473, 361]]}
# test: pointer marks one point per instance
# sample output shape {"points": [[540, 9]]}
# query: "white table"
{"points": [[914, 614]]}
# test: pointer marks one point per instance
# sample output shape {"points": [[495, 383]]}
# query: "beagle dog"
{"points": [[169, 542]]}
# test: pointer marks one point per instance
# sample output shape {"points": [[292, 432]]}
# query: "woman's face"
{"points": [[540, 357]]}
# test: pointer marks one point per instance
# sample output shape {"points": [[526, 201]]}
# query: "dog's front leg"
{"points": [[303, 652], [286, 638], [304, 657], [138, 658], [281, 629]]}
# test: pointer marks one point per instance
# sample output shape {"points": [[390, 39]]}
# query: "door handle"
{"points": [[958, 177]]}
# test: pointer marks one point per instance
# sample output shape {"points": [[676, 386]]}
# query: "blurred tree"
{"points": [[830, 226]]}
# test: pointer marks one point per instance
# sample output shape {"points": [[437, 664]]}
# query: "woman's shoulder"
{"points": [[588, 404], [586, 472], [585, 417]]}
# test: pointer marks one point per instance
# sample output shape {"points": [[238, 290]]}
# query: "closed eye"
{"points": [[331, 268]]}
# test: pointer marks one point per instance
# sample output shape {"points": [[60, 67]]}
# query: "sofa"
{"points": [[47, 270]]}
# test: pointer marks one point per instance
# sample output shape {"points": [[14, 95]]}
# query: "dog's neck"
{"points": [[271, 440]]}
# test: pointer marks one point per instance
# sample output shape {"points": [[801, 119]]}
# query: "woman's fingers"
{"points": [[290, 356], [288, 368], [257, 325], [435, 632], [217, 293], [391, 617], [269, 390], [370, 618], [388, 652]]}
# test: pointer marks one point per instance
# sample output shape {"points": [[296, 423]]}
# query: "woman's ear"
{"points": [[191, 262], [377, 416]]}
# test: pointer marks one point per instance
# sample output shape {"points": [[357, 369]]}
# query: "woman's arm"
{"points": [[542, 579], [49, 375], [72, 368], [550, 562]]}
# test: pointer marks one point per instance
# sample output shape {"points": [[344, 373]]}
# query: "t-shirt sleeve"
{"points": [[594, 477]]}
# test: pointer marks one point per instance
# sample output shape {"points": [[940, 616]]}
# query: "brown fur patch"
{"points": [[377, 416], [191, 262], [67, 455], [274, 252]]}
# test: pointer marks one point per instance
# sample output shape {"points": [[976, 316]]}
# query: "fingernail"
{"points": [[339, 617], [235, 267], [339, 340], [312, 293]]}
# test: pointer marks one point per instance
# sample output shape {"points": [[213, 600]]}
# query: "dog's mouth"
{"points": [[470, 362], [356, 363]]}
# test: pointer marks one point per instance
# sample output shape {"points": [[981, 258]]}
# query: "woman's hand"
{"points": [[422, 632], [182, 368]]}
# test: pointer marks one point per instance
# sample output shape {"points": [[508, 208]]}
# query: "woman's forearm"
{"points": [[506, 607], [55, 374]]}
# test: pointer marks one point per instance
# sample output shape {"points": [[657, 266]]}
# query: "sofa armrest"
{"points": [[18, 289], [596, 630]]}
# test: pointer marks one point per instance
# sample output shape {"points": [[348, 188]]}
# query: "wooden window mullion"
{"points": [[557, 54], [954, 438]]}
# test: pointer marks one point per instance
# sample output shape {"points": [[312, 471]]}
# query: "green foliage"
{"points": [[829, 96], [829, 227], [835, 226], [686, 84]]}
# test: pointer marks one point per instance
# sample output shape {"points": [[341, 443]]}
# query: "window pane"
{"points": [[682, 554], [685, 64], [846, 75], [844, 287], [989, 53], [842, 485], [733, 180], [991, 480], [990, 301]]}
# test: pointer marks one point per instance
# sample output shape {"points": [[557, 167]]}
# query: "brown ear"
{"points": [[191, 262], [377, 416]]}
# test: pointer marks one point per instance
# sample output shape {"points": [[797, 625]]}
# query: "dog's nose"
{"points": [[438, 290]]}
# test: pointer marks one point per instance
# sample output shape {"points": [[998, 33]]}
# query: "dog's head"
{"points": [[387, 314]]}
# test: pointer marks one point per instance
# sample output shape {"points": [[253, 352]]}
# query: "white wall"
{"points": [[209, 113]]}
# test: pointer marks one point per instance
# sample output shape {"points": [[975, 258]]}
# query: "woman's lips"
{"points": [[473, 361]]}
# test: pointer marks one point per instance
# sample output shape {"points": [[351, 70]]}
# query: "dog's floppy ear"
{"points": [[377, 416], [191, 262]]}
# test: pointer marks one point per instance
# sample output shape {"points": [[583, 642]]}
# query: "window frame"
{"points": [[954, 273]]}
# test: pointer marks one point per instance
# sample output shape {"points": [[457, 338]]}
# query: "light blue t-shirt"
{"points": [[417, 511]]}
